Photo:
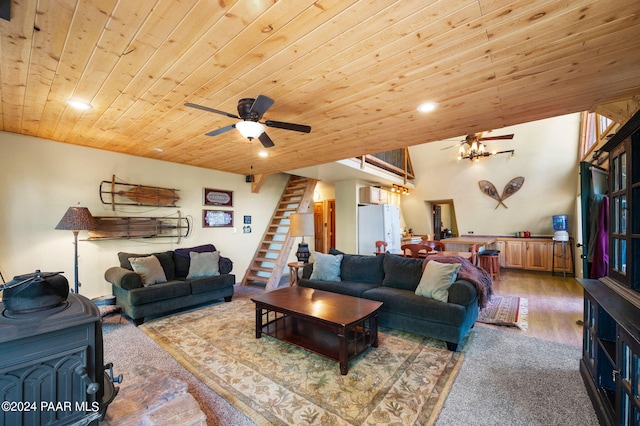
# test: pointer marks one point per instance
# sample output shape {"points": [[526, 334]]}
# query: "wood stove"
{"points": [[52, 370]]}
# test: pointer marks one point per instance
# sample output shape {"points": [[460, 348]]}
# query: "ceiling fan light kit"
{"points": [[250, 129]]}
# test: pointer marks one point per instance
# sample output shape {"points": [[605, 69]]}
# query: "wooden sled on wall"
{"points": [[116, 228], [129, 194]]}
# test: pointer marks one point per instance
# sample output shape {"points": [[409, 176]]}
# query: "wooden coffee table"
{"points": [[332, 325]]}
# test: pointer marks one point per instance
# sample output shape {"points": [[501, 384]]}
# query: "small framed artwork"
{"points": [[218, 197], [246, 229], [217, 218], [247, 220]]}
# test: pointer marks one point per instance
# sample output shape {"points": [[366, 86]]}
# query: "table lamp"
{"points": [[301, 225]]}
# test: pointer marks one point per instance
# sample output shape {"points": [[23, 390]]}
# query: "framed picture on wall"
{"points": [[218, 197], [217, 218]]}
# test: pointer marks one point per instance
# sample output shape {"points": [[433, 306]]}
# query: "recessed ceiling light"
{"points": [[158, 149], [81, 105], [263, 154], [427, 106]]}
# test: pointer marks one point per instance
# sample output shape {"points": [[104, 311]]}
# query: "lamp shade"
{"points": [[301, 224], [77, 219], [250, 129]]}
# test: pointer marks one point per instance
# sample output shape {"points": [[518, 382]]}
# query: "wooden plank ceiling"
{"points": [[353, 70]]}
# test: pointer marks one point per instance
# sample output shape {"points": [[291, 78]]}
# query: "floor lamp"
{"points": [[301, 225], [77, 219]]}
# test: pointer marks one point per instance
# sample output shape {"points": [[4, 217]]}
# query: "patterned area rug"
{"points": [[507, 311], [404, 380]]}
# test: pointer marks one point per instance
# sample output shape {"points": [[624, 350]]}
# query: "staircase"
{"points": [[271, 257]]}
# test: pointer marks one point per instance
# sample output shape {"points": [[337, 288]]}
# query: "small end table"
{"points": [[294, 267]]}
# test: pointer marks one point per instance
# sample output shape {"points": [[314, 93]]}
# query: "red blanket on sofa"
{"points": [[469, 272]]}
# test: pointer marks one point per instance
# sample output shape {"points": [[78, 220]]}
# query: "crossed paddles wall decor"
{"points": [[510, 188]]}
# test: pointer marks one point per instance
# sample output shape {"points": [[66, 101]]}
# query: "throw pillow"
{"points": [[204, 264], [182, 257], [401, 272], [149, 269], [326, 267], [436, 280], [165, 258]]}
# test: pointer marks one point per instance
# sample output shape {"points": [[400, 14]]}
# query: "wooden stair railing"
{"points": [[270, 258]]}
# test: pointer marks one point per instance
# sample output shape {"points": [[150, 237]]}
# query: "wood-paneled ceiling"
{"points": [[353, 70]]}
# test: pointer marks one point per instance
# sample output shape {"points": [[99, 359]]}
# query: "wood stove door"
{"points": [[41, 376]]}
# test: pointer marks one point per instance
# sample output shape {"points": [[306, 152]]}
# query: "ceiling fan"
{"points": [[250, 111], [472, 147]]}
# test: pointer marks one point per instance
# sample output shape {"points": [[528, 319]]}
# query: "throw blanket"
{"points": [[469, 272]]}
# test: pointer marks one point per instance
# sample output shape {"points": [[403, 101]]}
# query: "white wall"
{"points": [[546, 155], [40, 179]]}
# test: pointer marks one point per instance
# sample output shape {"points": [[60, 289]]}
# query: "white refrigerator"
{"points": [[378, 222]]}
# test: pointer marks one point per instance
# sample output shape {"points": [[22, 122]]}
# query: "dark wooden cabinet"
{"points": [[610, 364]]}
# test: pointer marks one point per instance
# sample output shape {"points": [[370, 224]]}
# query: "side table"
{"points": [[294, 267]]}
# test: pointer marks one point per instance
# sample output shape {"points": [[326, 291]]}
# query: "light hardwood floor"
{"points": [[555, 304]]}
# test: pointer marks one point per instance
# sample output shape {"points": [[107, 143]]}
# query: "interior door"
{"points": [[437, 221], [331, 223], [319, 228]]}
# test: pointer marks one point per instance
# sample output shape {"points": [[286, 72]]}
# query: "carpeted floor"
{"points": [[510, 379], [505, 379]]}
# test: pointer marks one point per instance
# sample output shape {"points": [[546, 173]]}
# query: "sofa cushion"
{"points": [[401, 272], [343, 287], [326, 267], [436, 279], [165, 258], [362, 269], [168, 290], [182, 259], [409, 304], [206, 284], [203, 264], [149, 269]]}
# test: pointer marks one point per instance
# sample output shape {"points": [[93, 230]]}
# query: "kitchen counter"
{"points": [[470, 240]]}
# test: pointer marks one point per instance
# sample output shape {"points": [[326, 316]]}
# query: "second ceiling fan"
{"points": [[250, 111], [472, 147]]}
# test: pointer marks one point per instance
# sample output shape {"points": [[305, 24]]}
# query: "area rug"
{"points": [[403, 381], [507, 311]]}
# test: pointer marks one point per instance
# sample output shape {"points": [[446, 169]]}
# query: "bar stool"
{"points": [[490, 262]]}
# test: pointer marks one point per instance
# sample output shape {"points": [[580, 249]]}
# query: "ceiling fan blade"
{"points": [[452, 146], [288, 126], [204, 108], [266, 140], [221, 130], [495, 138], [261, 105]]}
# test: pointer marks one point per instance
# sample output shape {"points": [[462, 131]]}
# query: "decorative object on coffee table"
{"points": [[77, 219]]}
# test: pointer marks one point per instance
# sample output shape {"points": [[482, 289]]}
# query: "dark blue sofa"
{"points": [[393, 279]]}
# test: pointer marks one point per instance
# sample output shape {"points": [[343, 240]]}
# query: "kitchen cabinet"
{"points": [[559, 264], [533, 254], [374, 195], [538, 256], [514, 254]]}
